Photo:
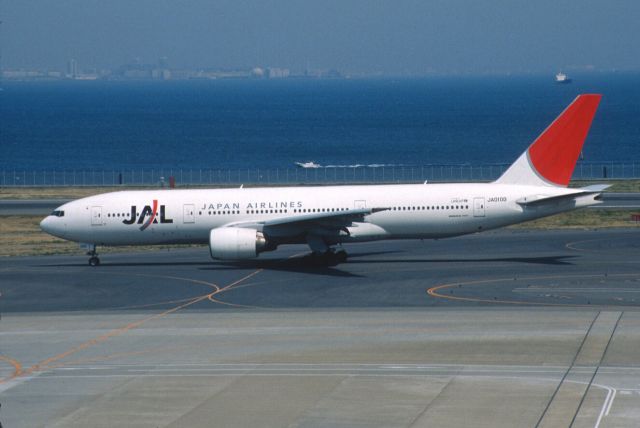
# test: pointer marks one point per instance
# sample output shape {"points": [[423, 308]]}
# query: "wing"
{"points": [[318, 230], [332, 220]]}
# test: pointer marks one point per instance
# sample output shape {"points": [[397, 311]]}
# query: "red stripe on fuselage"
{"points": [[555, 152], [153, 215]]}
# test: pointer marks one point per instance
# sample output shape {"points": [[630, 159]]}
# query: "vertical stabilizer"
{"points": [[550, 160]]}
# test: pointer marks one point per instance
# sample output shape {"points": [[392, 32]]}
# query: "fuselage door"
{"points": [[189, 213], [359, 204], [96, 216], [478, 207]]}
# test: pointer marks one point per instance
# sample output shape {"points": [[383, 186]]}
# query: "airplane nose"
{"points": [[53, 226], [45, 225]]}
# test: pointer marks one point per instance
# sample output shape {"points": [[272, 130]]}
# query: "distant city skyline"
{"points": [[354, 37]]}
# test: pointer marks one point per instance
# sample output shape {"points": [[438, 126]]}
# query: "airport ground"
{"points": [[510, 328], [521, 327]]}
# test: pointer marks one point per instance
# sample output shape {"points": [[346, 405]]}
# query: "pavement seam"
{"points": [[595, 372], [428, 405], [566, 373]]}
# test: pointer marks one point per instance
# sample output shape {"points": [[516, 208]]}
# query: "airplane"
{"points": [[241, 223]]}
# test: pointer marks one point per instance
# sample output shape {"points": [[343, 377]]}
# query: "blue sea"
{"points": [[274, 123]]}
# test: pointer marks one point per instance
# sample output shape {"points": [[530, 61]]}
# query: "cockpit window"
{"points": [[58, 213]]}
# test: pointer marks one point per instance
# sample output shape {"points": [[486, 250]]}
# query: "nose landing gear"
{"points": [[94, 260]]}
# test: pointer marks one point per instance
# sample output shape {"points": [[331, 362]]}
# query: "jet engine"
{"points": [[236, 243]]}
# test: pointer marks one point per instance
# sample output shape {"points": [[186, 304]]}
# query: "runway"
{"points": [[507, 328]]}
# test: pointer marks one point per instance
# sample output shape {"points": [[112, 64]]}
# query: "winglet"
{"points": [[551, 158]]}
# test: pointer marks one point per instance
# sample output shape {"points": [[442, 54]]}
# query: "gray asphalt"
{"points": [[571, 267], [45, 206], [501, 329]]}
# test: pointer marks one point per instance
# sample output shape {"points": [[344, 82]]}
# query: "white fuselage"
{"points": [[409, 211]]}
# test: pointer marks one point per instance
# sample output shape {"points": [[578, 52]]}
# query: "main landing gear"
{"points": [[331, 257], [322, 254], [94, 260]]}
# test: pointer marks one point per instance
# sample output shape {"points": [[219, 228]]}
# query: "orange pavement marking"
{"points": [[17, 368], [149, 305], [195, 281], [48, 363], [228, 287], [433, 291], [116, 332], [235, 305]]}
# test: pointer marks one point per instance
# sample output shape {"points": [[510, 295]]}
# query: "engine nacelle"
{"points": [[235, 243]]}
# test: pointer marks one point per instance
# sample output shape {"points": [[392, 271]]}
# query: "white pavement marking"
{"points": [[608, 401], [15, 382]]}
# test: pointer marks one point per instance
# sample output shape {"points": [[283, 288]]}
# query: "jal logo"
{"points": [[150, 213]]}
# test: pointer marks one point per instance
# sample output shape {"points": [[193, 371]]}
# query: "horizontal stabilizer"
{"points": [[595, 188], [538, 199]]}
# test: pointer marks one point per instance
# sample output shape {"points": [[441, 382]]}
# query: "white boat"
{"points": [[309, 164], [562, 78]]}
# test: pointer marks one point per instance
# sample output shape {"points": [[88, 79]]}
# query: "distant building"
{"points": [[160, 74], [136, 73], [277, 73], [72, 69], [21, 74], [323, 74]]}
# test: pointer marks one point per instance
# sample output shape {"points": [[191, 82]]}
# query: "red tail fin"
{"points": [[553, 155]]}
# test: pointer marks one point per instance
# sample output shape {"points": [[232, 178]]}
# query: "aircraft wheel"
{"points": [[341, 256], [94, 261], [318, 259], [331, 258]]}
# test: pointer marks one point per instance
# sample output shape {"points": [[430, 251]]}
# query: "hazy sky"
{"points": [[391, 37]]}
